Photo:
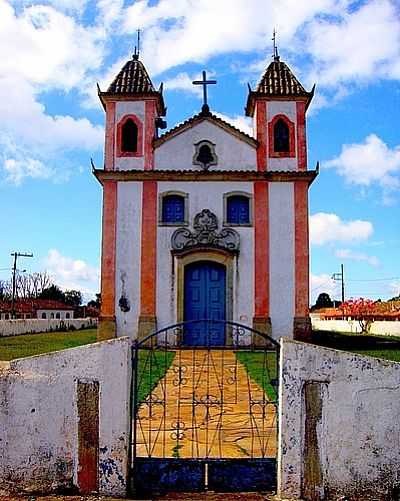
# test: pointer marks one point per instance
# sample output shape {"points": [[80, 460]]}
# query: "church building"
{"points": [[205, 221]]}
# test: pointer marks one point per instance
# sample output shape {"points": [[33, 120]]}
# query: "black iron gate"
{"points": [[204, 417]]}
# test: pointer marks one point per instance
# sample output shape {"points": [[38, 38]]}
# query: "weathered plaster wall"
{"points": [[123, 108], [281, 252], [35, 325], [339, 427], [128, 255], [39, 421], [233, 154], [385, 328], [205, 196]]}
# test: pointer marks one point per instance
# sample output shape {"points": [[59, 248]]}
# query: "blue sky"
{"points": [[51, 121]]}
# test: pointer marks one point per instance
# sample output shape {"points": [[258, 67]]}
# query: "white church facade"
{"points": [[205, 221]]}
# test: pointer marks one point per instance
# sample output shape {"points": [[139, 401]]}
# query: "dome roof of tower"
{"points": [[134, 82], [278, 80], [132, 79]]}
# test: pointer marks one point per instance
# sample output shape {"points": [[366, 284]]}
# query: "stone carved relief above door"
{"points": [[205, 233]]}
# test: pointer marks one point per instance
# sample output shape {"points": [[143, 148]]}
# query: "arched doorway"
{"points": [[204, 298]]}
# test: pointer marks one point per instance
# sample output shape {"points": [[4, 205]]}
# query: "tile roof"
{"points": [[278, 80], [132, 79], [205, 115], [29, 305]]}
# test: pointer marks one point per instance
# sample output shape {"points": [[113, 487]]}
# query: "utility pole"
{"points": [[16, 255], [340, 277]]}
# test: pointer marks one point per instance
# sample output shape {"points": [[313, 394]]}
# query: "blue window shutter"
{"points": [[238, 210], [173, 209]]}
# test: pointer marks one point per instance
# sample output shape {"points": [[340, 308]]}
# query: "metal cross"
{"points": [[204, 83]]}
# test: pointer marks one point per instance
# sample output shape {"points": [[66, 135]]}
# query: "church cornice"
{"points": [[214, 175]]}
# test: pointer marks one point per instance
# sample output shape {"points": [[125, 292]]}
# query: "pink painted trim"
{"points": [[108, 249], [261, 249], [150, 113], [301, 249], [261, 133], [292, 149], [148, 269], [301, 135], [139, 125], [110, 138]]}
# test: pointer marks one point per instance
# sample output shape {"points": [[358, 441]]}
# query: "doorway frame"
{"points": [[213, 255]]}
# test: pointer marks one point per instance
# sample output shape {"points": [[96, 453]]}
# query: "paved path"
{"points": [[207, 406]]}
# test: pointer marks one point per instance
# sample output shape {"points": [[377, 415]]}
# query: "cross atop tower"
{"points": [[205, 108], [276, 55], [137, 47]]}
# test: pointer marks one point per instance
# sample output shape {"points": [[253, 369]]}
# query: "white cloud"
{"points": [[326, 228], [69, 273], [18, 170], [182, 81], [322, 283], [394, 288], [46, 47], [239, 121], [367, 163], [359, 45], [174, 30], [46, 50], [357, 256]]}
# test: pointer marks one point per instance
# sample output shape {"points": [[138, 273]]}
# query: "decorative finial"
{"points": [[137, 47], [276, 55]]}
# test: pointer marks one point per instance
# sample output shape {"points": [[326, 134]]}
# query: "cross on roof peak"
{"points": [[204, 82], [276, 54]]}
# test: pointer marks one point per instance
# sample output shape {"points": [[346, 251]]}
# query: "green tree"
{"points": [[323, 301], [53, 292], [73, 298], [95, 303]]}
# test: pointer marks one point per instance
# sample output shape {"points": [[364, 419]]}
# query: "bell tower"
{"points": [[278, 107], [133, 115]]}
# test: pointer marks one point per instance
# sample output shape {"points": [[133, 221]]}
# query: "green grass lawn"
{"points": [[386, 347], [391, 354], [152, 367], [36, 344], [261, 367]]}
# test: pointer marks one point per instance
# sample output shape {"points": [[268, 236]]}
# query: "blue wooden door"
{"points": [[205, 298]]}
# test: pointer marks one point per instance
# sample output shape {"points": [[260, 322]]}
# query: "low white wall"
{"points": [[385, 328], [36, 325], [339, 424], [39, 417]]}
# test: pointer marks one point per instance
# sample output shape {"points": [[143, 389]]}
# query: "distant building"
{"points": [[36, 308]]}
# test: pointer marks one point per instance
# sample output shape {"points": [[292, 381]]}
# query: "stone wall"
{"points": [[64, 420], [35, 325], [339, 427], [382, 328]]}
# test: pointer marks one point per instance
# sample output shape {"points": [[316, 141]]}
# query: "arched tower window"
{"points": [[281, 137], [129, 137]]}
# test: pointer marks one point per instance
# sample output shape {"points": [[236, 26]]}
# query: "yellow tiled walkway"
{"points": [[211, 408]]}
